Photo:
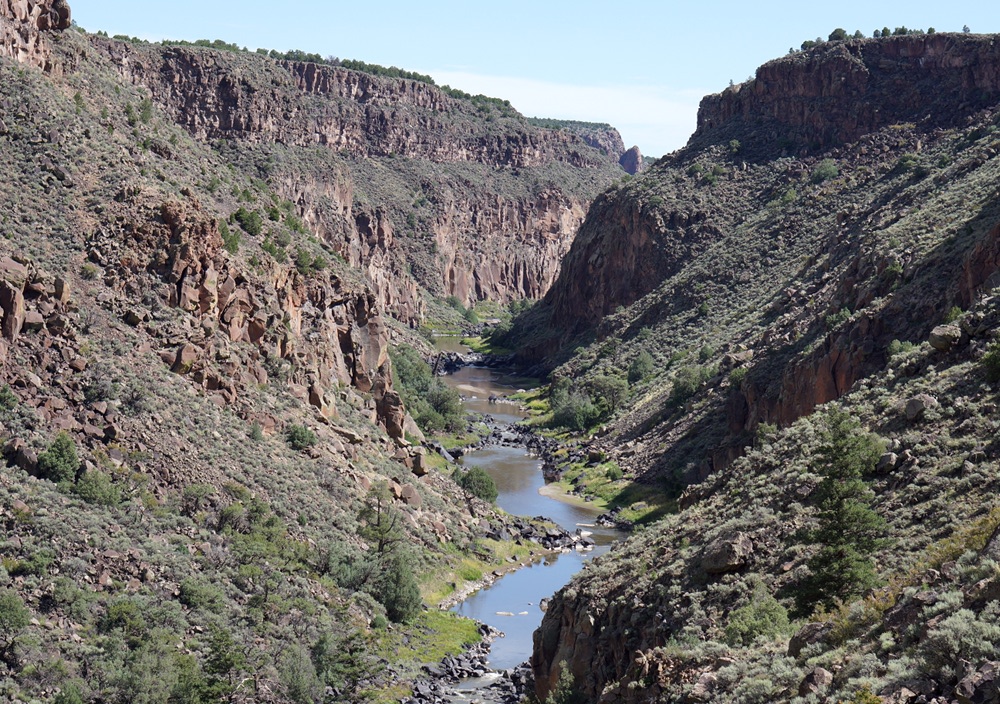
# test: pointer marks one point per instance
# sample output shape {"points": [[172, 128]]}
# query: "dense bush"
{"points": [[477, 482], [14, 618], [573, 409], [824, 171], [762, 617], [59, 463], [641, 368], [300, 437], [688, 380], [249, 220], [991, 362], [96, 487]]}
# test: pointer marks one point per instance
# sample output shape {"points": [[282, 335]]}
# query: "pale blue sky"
{"points": [[640, 65]]}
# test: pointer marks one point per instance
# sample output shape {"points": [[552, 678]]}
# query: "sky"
{"points": [[641, 65]]}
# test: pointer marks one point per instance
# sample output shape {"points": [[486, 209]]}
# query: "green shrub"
{"points": [[737, 375], [199, 595], [14, 618], [824, 171], [688, 380], [762, 617], [641, 368], [96, 487], [230, 238], [573, 409], [835, 320], [477, 482], [614, 473], [59, 463], [8, 401], [249, 220], [896, 347], [300, 437]]}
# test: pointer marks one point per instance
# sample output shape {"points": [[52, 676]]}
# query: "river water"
{"points": [[512, 603]]}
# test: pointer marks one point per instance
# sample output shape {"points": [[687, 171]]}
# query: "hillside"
{"points": [[824, 219], [212, 489]]}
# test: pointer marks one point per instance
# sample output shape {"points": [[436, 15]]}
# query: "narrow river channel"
{"points": [[512, 603]]}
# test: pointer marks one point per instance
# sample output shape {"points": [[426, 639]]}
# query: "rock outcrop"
{"points": [[837, 92], [23, 26], [631, 161], [483, 191]]}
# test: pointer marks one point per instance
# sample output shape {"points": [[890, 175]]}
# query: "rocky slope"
{"points": [[196, 411], [760, 286], [485, 203]]}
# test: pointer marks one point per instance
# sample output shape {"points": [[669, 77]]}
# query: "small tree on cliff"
{"points": [[849, 531]]}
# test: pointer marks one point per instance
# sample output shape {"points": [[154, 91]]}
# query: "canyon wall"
{"points": [[480, 239], [842, 90]]}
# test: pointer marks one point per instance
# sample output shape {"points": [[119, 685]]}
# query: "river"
{"points": [[512, 603]]}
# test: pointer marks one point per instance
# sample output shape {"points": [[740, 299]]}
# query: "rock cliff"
{"points": [[447, 159], [23, 28], [839, 91]]}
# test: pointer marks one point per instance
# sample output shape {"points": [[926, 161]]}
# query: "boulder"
{"points": [[809, 634], [410, 496], [727, 554], [817, 679], [944, 337], [12, 308], [918, 405], [887, 461], [33, 321], [187, 355], [981, 686], [418, 459]]}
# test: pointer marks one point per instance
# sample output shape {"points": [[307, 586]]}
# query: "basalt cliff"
{"points": [[829, 239], [421, 190]]}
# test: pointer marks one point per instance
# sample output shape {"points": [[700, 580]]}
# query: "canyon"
{"points": [[211, 255]]}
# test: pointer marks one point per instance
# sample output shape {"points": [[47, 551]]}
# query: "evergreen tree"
{"points": [[849, 530], [382, 524]]}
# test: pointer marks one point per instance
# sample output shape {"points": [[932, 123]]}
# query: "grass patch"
{"points": [[639, 504], [484, 346], [433, 636]]}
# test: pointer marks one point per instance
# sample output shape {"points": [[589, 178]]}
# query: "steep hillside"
{"points": [[210, 490], [775, 264]]}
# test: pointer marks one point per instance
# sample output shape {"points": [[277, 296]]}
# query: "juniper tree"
{"points": [[849, 531]]}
